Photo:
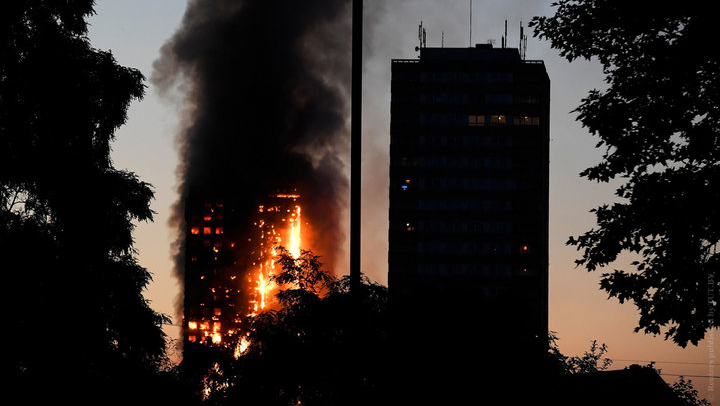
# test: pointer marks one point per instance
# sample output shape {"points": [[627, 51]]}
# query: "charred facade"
{"points": [[468, 232], [230, 261]]}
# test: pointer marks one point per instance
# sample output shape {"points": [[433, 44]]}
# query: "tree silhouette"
{"points": [[590, 361], [72, 285], [657, 124], [306, 352]]}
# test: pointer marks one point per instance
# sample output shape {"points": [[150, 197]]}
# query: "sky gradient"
{"points": [[579, 312]]}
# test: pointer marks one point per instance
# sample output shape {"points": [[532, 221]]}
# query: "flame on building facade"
{"points": [[230, 264]]}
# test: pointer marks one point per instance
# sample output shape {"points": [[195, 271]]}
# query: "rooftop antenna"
{"points": [[523, 42], [420, 35], [504, 38], [470, 24]]}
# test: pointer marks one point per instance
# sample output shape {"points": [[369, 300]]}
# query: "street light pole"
{"points": [[356, 145]]}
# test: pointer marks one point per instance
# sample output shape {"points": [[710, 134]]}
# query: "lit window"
{"points": [[498, 120], [207, 218], [192, 325], [193, 258], [207, 230], [194, 230], [192, 339], [403, 187], [476, 120]]}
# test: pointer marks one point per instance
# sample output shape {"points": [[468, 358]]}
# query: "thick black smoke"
{"points": [[265, 94]]}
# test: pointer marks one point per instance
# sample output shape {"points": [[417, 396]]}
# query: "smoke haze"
{"points": [[264, 90]]}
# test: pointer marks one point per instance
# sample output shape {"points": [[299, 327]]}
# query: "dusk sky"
{"points": [[135, 30]]}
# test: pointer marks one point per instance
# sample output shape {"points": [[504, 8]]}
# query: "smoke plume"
{"points": [[264, 90]]}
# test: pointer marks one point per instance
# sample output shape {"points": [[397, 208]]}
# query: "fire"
{"points": [[279, 224], [295, 226]]}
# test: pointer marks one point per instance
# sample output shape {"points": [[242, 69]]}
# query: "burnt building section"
{"points": [[213, 309], [468, 231], [230, 253]]}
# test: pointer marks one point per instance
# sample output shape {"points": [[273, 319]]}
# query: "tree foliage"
{"points": [[590, 361], [657, 123], [687, 393], [323, 347], [72, 284]]}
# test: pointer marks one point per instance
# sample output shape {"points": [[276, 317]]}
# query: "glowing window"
{"points": [[194, 230], [192, 339], [498, 120], [207, 218], [476, 120], [207, 230]]}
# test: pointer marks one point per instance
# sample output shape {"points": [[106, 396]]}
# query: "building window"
{"points": [[528, 99], [207, 217], [500, 119], [218, 230], [526, 120], [207, 230], [194, 230], [498, 98], [476, 120]]}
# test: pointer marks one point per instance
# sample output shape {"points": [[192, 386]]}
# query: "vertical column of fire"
{"points": [[279, 223]]}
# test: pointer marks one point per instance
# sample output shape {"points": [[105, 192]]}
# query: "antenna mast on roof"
{"points": [[523, 43], [504, 38], [470, 24], [422, 37]]}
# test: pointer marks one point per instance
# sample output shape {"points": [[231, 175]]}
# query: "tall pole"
{"points": [[356, 144]]}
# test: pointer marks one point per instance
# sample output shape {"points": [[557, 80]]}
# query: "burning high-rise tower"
{"points": [[264, 87], [230, 262]]}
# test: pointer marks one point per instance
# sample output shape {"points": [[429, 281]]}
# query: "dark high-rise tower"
{"points": [[468, 238]]}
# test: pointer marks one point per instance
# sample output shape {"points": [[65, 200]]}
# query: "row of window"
{"points": [[458, 248], [489, 227], [466, 77], [475, 77], [468, 247], [464, 269], [466, 140], [464, 205], [462, 162], [466, 184], [195, 230], [466, 98], [478, 120]]}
